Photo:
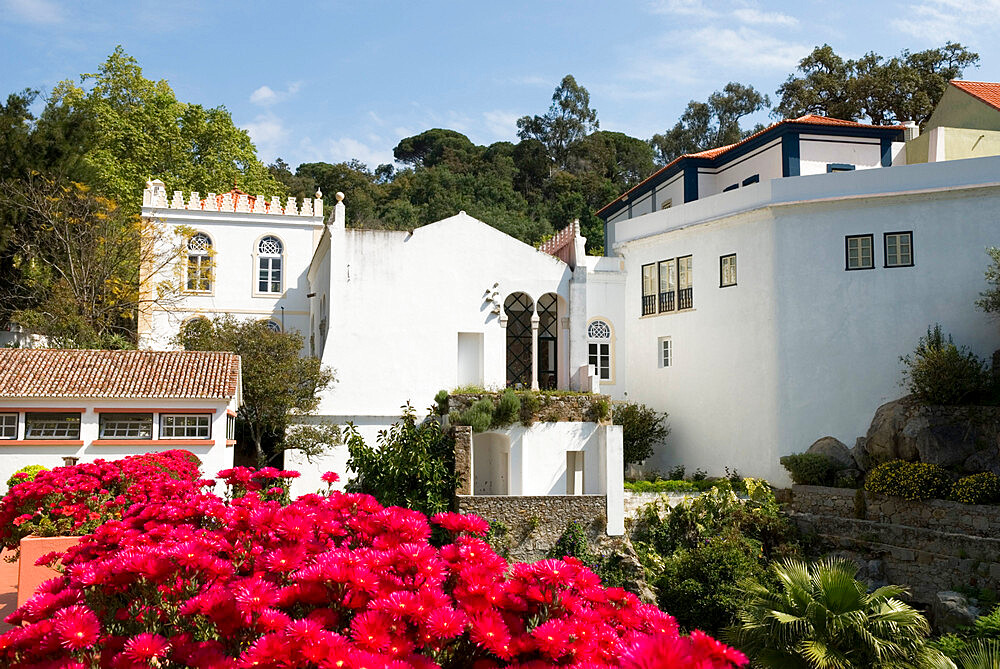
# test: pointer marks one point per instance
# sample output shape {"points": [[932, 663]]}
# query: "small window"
{"points": [[269, 250], [8, 426], [667, 204], [899, 249], [666, 352], [185, 426], [859, 252], [126, 426], [230, 427], [751, 180], [52, 426], [727, 270], [599, 348], [839, 167], [730, 187], [685, 280]]}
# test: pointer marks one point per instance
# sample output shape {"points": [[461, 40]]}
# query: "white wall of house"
{"points": [[801, 348], [672, 189], [214, 452], [764, 162], [818, 151]]}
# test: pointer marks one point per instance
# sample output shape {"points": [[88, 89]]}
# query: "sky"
{"points": [[331, 81]]}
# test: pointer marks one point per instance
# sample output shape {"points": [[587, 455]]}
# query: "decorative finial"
{"points": [[340, 196], [319, 193]]}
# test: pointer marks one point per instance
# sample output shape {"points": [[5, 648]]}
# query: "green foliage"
{"points": [[30, 470], [884, 90], [989, 300], [980, 655], [479, 416], [530, 403], [413, 465], [660, 486], [611, 567], [981, 488], [822, 616], [498, 537], [508, 409], [441, 402], [642, 429], [278, 383], [676, 473], [810, 468], [970, 646], [600, 409], [939, 372], [569, 119], [909, 480]]}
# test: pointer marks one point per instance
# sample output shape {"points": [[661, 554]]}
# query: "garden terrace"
{"points": [[552, 407]]}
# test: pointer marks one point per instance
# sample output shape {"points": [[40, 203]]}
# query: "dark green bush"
{"points": [[529, 407], [441, 400], [642, 429], [909, 480], [508, 409], [981, 488], [939, 372], [660, 486], [810, 468], [600, 409]]}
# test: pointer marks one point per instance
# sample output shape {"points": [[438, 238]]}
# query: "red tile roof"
{"points": [[986, 91], [119, 374], [808, 119]]}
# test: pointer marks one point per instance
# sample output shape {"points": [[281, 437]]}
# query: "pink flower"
{"points": [[330, 477], [77, 626], [144, 647]]}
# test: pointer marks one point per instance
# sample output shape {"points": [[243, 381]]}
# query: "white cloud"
{"points": [[34, 11], [534, 80], [695, 8], [265, 96], [947, 19], [345, 148], [269, 135], [501, 123], [757, 17]]}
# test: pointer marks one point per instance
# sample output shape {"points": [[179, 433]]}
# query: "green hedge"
{"points": [[661, 486], [810, 468]]}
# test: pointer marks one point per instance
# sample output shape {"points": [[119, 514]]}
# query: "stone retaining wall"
{"points": [[553, 407], [978, 520], [927, 546], [535, 523], [636, 500]]}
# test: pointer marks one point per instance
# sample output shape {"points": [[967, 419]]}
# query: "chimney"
{"points": [[910, 130]]}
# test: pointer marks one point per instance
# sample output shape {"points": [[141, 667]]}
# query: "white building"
{"points": [[85, 405], [761, 293]]}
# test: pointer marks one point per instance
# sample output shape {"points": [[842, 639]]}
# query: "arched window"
{"points": [[548, 336], [599, 348], [199, 263], [273, 326], [519, 309], [269, 251]]}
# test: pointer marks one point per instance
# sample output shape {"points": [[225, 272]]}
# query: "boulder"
{"points": [[951, 610], [884, 439], [835, 450], [860, 455]]}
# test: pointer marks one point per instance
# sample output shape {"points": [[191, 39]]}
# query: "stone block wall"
{"points": [[462, 435], [535, 523], [553, 407], [636, 500], [927, 546]]}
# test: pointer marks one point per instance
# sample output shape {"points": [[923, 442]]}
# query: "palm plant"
{"points": [[982, 655], [822, 617]]}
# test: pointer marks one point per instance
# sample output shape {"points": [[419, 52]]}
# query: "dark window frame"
{"points": [[32, 415], [751, 180], [847, 252], [731, 187], [885, 248], [685, 296], [649, 301], [722, 283], [839, 167]]}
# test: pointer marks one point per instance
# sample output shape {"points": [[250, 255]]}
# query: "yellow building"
{"points": [[965, 124]]}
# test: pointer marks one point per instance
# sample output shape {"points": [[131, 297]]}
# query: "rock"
{"points": [[987, 460], [860, 455], [951, 610], [835, 450], [884, 439]]}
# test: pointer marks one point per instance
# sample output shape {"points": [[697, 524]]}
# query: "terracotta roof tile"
{"points": [[986, 91], [119, 374]]}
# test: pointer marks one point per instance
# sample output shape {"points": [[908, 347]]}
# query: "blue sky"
{"points": [[337, 80]]}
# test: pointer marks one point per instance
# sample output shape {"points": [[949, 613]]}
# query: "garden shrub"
{"points": [[909, 480], [441, 401], [642, 429], [324, 581], [24, 474], [660, 486], [508, 409], [810, 468], [530, 404], [600, 409], [938, 372], [981, 488]]}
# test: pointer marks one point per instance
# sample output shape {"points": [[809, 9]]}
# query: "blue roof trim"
{"points": [[780, 130]]}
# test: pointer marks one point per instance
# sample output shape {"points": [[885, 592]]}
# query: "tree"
{"points": [[989, 300], [413, 465], [85, 267], [711, 124], [821, 616], [642, 429], [570, 118], [435, 146], [279, 384], [883, 90]]}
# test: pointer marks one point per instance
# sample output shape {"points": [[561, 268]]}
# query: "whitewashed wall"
{"points": [[764, 161], [817, 151], [214, 453], [672, 189]]}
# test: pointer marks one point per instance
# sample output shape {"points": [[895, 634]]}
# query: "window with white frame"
{"points": [[199, 263], [126, 426], [599, 348], [8, 426], [230, 427], [666, 351], [899, 249], [269, 250], [727, 270], [668, 285], [51, 425], [185, 426], [859, 252]]}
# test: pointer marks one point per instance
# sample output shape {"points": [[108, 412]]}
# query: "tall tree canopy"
{"points": [[882, 90], [711, 124], [569, 119]]}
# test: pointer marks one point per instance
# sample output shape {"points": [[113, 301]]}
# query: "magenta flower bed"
{"points": [[193, 580]]}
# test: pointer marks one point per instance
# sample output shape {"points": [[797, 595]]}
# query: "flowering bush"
{"points": [[981, 488], [327, 581], [75, 500], [910, 480], [24, 474]]}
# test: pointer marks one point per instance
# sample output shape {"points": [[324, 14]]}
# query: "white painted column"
{"points": [[534, 351], [612, 450]]}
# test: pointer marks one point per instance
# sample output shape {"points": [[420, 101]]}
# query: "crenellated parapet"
{"points": [[236, 201]]}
